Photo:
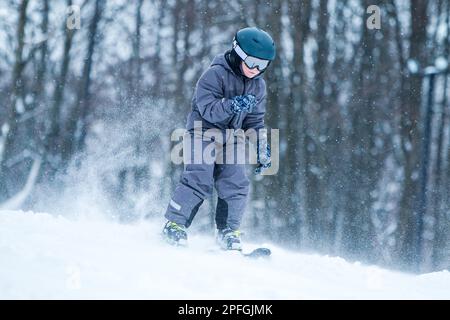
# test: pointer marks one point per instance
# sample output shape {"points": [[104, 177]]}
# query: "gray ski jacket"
{"points": [[211, 102]]}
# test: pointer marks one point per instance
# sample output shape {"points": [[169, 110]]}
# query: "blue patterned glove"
{"points": [[244, 103], [263, 159]]}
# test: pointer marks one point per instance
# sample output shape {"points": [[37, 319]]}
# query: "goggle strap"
{"points": [[239, 51]]}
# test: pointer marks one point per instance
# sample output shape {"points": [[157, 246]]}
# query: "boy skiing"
{"points": [[230, 94]]}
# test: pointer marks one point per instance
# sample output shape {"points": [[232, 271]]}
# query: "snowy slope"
{"points": [[43, 256]]}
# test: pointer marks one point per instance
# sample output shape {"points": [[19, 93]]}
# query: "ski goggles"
{"points": [[251, 62]]}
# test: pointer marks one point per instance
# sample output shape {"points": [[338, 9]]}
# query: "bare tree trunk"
{"points": [[315, 166], [265, 193], [439, 188], [176, 13], [42, 67], [407, 233], [189, 18], [184, 22], [357, 215], [336, 139], [446, 185], [53, 141], [296, 122], [76, 128], [38, 90], [156, 90], [136, 60], [10, 126]]}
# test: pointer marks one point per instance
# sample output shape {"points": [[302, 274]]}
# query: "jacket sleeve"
{"points": [[255, 120], [212, 105]]}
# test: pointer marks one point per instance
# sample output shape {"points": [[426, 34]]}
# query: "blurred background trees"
{"points": [[94, 107]]}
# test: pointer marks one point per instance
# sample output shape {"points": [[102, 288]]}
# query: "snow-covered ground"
{"points": [[44, 256]]}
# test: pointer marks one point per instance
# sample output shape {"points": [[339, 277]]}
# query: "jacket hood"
{"points": [[221, 61]]}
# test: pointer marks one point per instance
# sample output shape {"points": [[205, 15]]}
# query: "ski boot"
{"points": [[175, 234], [229, 239]]}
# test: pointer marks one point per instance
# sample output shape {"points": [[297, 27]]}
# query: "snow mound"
{"points": [[51, 257]]}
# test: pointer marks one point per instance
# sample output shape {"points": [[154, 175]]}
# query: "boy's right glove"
{"points": [[244, 103], [263, 155]]}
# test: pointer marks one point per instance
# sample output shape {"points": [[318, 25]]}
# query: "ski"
{"points": [[258, 253]]}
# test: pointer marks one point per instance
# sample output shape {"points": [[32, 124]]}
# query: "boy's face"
{"points": [[249, 73]]}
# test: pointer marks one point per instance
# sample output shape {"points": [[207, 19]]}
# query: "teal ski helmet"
{"points": [[255, 47]]}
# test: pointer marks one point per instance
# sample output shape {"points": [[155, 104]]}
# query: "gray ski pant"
{"points": [[198, 179]]}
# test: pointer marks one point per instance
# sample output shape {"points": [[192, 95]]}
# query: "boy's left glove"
{"points": [[244, 103], [263, 156]]}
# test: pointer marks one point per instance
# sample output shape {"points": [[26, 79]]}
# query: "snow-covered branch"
{"points": [[16, 201]]}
